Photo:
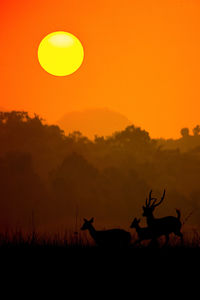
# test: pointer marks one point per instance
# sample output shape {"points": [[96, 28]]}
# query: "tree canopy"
{"points": [[45, 171]]}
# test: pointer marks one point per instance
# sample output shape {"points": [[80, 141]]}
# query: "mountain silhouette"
{"points": [[90, 122]]}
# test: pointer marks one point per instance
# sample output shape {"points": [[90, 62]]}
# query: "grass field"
{"points": [[70, 240]]}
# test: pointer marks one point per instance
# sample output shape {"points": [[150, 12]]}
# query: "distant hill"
{"points": [[101, 121]]}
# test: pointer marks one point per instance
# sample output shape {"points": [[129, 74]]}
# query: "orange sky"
{"points": [[142, 59]]}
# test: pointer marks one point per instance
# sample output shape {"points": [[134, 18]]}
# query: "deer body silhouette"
{"points": [[108, 238], [144, 233], [161, 226]]}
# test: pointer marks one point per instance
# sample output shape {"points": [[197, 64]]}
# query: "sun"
{"points": [[60, 53]]}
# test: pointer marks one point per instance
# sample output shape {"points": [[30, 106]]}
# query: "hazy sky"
{"points": [[142, 59]]}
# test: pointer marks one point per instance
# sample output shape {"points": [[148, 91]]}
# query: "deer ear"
{"points": [[91, 220]]}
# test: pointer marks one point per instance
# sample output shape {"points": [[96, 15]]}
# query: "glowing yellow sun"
{"points": [[60, 53]]}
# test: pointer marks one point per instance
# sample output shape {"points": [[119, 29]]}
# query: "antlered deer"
{"points": [[161, 226], [109, 238]]}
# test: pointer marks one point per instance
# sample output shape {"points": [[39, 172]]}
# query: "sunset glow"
{"points": [[141, 60], [100, 126]]}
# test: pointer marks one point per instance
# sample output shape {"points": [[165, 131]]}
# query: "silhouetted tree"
{"points": [[184, 132], [44, 170], [74, 182], [196, 130], [22, 191]]}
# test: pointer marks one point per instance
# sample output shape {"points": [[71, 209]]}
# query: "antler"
{"points": [[148, 203], [161, 200]]}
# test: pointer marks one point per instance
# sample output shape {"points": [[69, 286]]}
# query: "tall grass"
{"points": [[68, 239], [20, 239]]}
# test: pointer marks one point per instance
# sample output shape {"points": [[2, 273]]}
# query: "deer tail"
{"points": [[178, 214]]}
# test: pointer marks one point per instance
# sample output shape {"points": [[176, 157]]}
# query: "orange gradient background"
{"points": [[142, 59]]}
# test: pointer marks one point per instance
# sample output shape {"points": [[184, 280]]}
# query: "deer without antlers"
{"points": [[112, 237], [144, 233], [161, 226]]}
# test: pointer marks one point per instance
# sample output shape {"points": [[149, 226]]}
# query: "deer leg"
{"points": [[153, 243], [166, 240], [137, 242], [180, 235]]}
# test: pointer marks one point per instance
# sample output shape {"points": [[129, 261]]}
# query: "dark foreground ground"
{"points": [[76, 270], [83, 266], [77, 251], [75, 258]]}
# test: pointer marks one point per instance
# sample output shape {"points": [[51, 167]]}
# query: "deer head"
{"points": [[151, 203], [135, 223], [87, 224]]}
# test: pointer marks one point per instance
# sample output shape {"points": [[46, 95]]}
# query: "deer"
{"points": [[109, 238], [144, 233], [161, 226]]}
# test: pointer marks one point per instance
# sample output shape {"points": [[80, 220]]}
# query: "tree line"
{"points": [[56, 176]]}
